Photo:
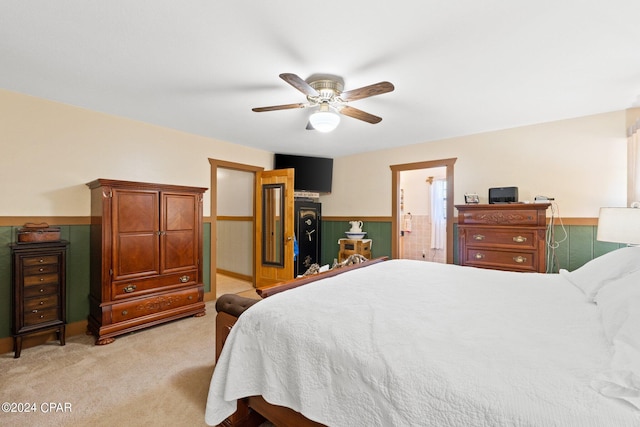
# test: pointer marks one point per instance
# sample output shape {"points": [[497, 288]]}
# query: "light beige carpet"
{"points": [[158, 376]]}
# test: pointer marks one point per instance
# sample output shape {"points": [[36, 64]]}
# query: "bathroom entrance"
{"points": [[423, 214], [422, 210]]}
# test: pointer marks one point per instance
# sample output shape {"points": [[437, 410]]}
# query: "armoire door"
{"points": [[179, 232], [135, 219]]}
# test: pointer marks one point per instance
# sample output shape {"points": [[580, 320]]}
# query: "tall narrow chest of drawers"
{"points": [[39, 290], [503, 236]]}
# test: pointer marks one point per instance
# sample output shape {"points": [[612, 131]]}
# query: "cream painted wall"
{"points": [[580, 162], [49, 151]]}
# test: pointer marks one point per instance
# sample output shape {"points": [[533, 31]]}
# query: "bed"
{"points": [[406, 343]]}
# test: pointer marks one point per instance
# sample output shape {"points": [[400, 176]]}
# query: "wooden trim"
{"points": [[234, 218], [214, 165], [360, 217], [395, 200], [19, 221], [269, 290], [234, 275]]}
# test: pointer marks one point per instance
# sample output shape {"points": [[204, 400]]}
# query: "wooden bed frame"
{"points": [[254, 410]]}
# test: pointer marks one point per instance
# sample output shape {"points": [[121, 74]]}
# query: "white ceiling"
{"points": [[459, 67]]}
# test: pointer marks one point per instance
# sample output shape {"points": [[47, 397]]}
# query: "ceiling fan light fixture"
{"points": [[325, 119]]}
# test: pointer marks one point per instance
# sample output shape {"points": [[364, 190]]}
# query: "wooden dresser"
{"points": [[146, 256], [39, 289], [503, 236]]}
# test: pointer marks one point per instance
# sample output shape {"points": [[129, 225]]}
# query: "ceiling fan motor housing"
{"points": [[328, 89]]}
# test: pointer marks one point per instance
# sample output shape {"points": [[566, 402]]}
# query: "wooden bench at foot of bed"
{"points": [[254, 410]]}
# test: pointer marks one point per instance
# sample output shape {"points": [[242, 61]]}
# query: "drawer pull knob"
{"points": [[41, 269], [42, 279], [478, 237], [125, 312], [519, 259], [41, 290], [519, 239], [190, 297], [184, 279], [41, 302], [130, 288], [41, 260], [478, 255], [42, 316], [34, 311]]}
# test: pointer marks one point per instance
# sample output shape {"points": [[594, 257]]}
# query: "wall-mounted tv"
{"points": [[312, 174]]}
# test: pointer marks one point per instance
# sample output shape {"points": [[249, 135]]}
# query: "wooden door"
{"points": [[135, 234], [179, 231], [274, 226]]}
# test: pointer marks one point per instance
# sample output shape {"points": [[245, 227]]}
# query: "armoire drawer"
{"points": [[154, 304], [130, 288]]}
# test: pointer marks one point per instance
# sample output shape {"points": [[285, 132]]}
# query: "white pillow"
{"points": [[619, 306], [618, 302], [592, 276]]}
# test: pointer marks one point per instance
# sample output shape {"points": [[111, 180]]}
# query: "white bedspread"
{"points": [[412, 343]]}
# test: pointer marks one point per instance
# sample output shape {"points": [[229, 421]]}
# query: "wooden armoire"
{"points": [[146, 256]]}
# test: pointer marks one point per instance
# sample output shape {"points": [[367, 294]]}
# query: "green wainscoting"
{"points": [[77, 272], [579, 247], [378, 231]]}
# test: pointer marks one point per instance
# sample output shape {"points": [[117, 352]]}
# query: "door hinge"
{"points": [[111, 272]]}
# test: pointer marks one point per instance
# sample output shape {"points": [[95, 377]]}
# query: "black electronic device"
{"points": [[314, 174], [503, 195]]}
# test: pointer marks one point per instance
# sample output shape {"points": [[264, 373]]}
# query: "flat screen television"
{"points": [[312, 174]]}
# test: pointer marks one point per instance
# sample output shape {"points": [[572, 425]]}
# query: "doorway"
{"points": [[232, 222], [400, 214], [423, 215]]}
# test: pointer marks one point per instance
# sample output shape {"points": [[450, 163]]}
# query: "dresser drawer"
{"points": [[41, 279], [151, 305], [40, 316], [40, 269], [44, 301], [129, 288], [529, 217], [33, 291], [39, 260], [506, 260], [496, 236]]}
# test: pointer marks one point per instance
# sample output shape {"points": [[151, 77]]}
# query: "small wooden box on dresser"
{"points": [[39, 290], [146, 256], [503, 236]]}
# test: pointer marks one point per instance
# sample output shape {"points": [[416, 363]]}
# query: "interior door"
{"points": [[274, 226]]}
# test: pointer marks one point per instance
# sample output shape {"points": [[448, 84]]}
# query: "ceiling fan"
{"points": [[326, 93]]}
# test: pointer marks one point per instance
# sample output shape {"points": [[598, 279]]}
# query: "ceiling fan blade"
{"points": [[367, 91], [279, 107], [359, 114], [299, 84]]}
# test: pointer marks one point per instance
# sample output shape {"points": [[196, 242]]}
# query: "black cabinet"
{"points": [[308, 226]]}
